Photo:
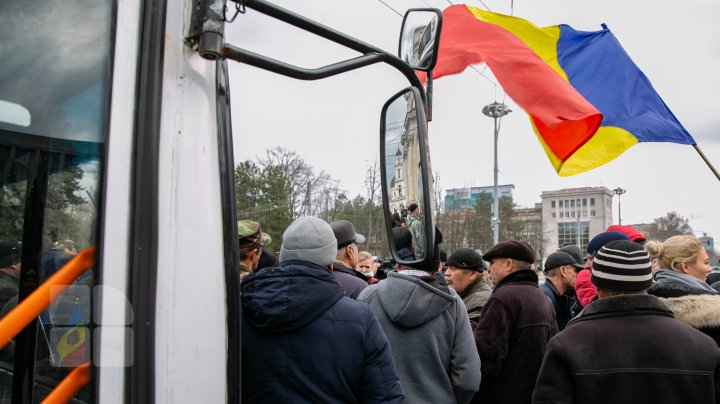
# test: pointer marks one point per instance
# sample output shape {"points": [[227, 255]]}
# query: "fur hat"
{"points": [[622, 265], [309, 239]]}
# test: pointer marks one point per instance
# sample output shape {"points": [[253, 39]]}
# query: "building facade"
{"points": [[466, 198], [403, 166], [531, 229], [574, 216]]}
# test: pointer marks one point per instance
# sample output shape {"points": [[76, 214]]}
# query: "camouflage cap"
{"points": [[250, 236]]}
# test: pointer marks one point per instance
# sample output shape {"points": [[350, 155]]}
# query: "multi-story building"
{"points": [[574, 216], [707, 241], [466, 198], [565, 216], [532, 228]]}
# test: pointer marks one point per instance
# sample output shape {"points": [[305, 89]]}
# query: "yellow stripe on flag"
{"points": [[73, 339]]}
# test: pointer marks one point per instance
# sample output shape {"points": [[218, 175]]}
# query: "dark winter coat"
{"points": [[515, 325], [475, 296], [564, 305], [352, 281], [629, 349], [304, 342], [430, 336], [690, 299]]}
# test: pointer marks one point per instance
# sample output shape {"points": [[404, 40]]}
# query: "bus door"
{"points": [[54, 102]]}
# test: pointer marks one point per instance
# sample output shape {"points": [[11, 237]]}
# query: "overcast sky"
{"points": [[334, 123]]}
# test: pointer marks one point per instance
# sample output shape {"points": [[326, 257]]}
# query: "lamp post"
{"points": [[496, 110], [577, 230], [619, 191]]}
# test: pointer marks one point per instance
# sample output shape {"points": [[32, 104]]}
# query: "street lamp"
{"points": [[577, 230], [496, 110], [619, 191]]}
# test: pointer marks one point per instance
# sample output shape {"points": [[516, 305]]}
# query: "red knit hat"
{"points": [[629, 231]]}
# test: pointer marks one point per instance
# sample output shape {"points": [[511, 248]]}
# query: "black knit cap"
{"points": [[622, 265], [465, 258], [604, 238]]}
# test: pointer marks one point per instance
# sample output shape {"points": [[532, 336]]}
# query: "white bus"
{"points": [[115, 134]]}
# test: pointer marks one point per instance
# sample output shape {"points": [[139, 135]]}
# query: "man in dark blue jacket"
{"points": [[560, 272], [302, 340]]}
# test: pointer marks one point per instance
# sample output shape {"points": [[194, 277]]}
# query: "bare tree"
{"points": [[672, 224], [306, 186], [372, 181], [437, 194], [372, 186]]}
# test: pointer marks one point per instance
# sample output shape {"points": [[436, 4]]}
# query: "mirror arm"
{"points": [[338, 37], [276, 66], [428, 96], [206, 30]]}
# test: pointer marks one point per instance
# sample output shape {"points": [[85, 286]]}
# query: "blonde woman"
{"points": [[366, 266], [680, 283]]}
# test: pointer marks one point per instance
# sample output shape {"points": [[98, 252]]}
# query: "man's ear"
{"points": [[509, 263]]}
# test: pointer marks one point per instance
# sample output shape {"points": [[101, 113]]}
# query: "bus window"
{"points": [[54, 100]]}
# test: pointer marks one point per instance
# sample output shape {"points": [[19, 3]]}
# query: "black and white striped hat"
{"points": [[622, 265]]}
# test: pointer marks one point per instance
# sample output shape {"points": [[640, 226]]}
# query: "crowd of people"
{"points": [[627, 320], [624, 321]]}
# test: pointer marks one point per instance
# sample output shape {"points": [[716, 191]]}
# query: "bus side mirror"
{"points": [[420, 38], [406, 178]]}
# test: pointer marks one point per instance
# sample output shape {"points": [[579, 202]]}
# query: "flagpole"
{"points": [[709, 164]]}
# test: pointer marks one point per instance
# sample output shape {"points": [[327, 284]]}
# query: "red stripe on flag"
{"points": [[563, 117]]}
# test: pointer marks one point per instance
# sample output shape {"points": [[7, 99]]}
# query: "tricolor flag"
{"points": [[73, 345], [588, 102]]}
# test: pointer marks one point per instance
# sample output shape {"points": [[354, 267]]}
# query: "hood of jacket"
{"points": [[670, 283], [288, 297], [700, 311], [410, 301]]}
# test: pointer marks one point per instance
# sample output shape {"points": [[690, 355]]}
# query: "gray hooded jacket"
{"points": [[430, 337]]}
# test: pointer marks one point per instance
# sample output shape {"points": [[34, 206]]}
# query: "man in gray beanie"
{"points": [[627, 347], [302, 340]]}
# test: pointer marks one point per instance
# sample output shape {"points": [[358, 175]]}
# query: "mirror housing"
{"points": [[406, 178], [420, 38]]}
